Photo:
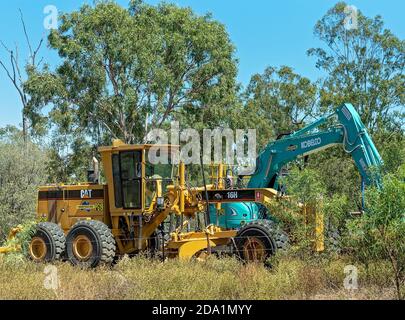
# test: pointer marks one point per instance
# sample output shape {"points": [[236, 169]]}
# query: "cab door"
{"points": [[127, 176]]}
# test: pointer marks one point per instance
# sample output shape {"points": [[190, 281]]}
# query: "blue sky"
{"points": [[265, 33]]}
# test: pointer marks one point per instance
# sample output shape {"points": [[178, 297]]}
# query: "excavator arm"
{"points": [[349, 132]]}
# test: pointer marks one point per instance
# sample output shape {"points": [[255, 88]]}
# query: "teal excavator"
{"points": [[349, 132]]}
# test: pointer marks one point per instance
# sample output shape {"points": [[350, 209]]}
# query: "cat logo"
{"points": [[85, 194]]}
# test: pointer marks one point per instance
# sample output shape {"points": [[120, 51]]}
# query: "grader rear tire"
{"points": [[258, 240], [48, 243], [90, 243]]}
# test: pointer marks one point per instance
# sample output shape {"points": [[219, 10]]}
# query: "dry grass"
{"points": [[142, 278]]}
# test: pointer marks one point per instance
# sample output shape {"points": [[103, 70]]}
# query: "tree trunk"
{"points": [[24, 128]]}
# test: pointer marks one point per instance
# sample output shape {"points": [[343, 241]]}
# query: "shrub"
{"points": [[380, 233], [22, 170]]}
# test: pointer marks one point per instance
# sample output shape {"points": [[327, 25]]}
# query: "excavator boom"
{"points": [[350, 132]]}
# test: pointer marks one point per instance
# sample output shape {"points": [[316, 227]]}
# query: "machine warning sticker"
{"points": [[86, 206]]}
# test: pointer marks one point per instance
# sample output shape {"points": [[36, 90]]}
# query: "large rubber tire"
{"points": [[258, 240], [48, 243], [90, 243]]}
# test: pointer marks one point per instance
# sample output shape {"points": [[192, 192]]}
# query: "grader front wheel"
{"points": [[90, 243], [82, 247], [258, 240], [48, 243], [254, 249], [38, 249]]}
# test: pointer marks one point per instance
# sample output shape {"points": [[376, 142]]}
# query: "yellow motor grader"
{"points": [[91, 224]]}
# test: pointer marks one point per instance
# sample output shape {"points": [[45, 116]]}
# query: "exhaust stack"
{"points": [[93, 175]]}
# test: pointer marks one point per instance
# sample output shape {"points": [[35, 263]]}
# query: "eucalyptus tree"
{"points": [[124, 71]]}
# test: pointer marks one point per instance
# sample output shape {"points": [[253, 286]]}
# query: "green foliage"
{"points": [[364, 66], [68, 163], [305, 184], [278, 101], [290, 217], [304, 188], [392, 149], [122, 68], [380, 233], [337, 212], [22, 170], [125, 71], [338, 174]]}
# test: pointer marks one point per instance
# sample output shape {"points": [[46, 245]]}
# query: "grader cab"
{"points": [[91, 224]]}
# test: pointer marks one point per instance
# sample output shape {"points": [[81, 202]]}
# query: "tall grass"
{"points": [[143, 278]]}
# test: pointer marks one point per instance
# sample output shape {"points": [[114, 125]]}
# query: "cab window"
{"points": [[127, 175]]}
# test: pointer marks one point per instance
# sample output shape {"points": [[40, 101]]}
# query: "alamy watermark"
{"points": [[350, 282], [51, 18], [51, 280], [351, 20], [220, 145]]}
